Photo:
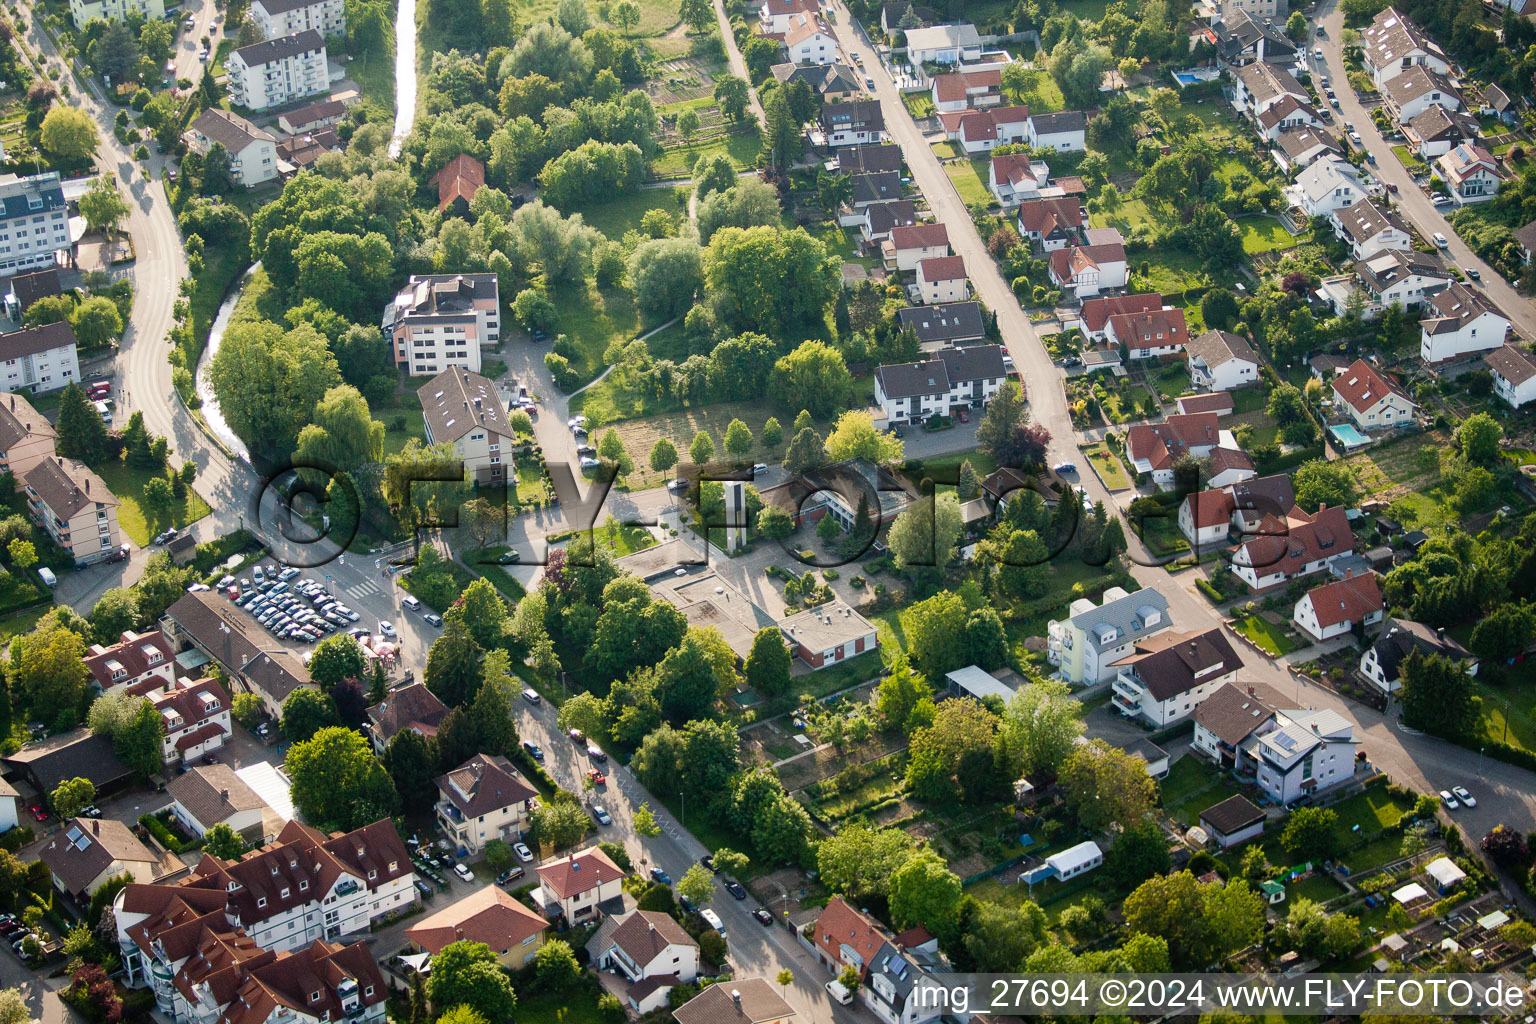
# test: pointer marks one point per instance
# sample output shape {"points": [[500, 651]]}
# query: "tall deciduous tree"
{"points": [[1106, 786], [924, 534], [468, 974], [337, 782], [1041, 726]]}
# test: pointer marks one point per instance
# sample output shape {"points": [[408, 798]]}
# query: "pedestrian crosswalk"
{"points": [[363, 589]]}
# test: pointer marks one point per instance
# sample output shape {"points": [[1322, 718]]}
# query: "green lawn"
{"points": [[1192, 786], [970, 180], [1106, 465], [128, 484], [1507, 709], [919, 104], [614, 215], [21, 622], [678, 161], [1271, 639], [413, 426], [1264, 234], [936, 467], [1408, 158], [591, 318], [561, 1007]]}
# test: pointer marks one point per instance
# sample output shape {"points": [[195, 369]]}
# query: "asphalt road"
{"points": [[1411, 200]]}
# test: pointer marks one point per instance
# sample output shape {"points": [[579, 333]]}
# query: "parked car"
{"points": [[1441, 242], [597, 777], [387, 628], [735, 889], [1467, 799], [595, 752], [534, 750], [90, 811], [39, 812], [1448, 800], [657, 874], [763, 917], [512, 873], [465, 875], [601, 814], [1473, 273], [708, 860], [523, 853], [713, 920]]}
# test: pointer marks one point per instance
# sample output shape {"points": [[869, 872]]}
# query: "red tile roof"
{"points": [[1096, 312], [579, 872], [1161, 443], [1362, 386], [1348, 600], [460, 178], [1040, 216], [840, 925], [1210, 508], [1301, 539], [957, 86], [490, 916], [1154, 328], [1067, 263], [942, 268]]}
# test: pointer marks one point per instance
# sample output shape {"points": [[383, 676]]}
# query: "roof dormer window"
{"points": [[261, 901]]}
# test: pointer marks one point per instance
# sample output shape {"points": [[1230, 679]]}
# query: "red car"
{"points": [[965, 417], [39, 812], [597, 777]]}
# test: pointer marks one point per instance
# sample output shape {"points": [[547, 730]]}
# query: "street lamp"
{"points": [[1480, 752]]}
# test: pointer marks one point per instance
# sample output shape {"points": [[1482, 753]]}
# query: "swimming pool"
{"points": [[1184, 78], [1348, 436]]}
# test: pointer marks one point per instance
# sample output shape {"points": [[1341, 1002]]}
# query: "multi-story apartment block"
{"points": [[40, 358], [75, 507], [278, 71], [194, 715], [278, 18], [34, 223], [26, 436], [133, 659], [251, 662], [1289, 754], [81, 12], [483, 799], [463, 409], [441, 320], [1168, 675], [941, 279], [252, 152], [1461, 321], [1085, 647], [954, 379]]}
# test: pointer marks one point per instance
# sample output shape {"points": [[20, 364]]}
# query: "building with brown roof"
{"points": [[744, 1001], [1461, 321], [483, 799], [1095, 314], [1336, 608], [1149, 335], [210, 795], [961, 90], [941, 279], [907, 246], [1221, 361], [845, 937], [648, 949], [978, 131], [490, 915], [1053, 223], [86, 852], [312, 117], [828, 633], [78, 753], [26, 436], [135, 657], [1087, 270], [28, 288], [1171, 673], [457, 183], [251, 660], [1296, 545], [465, 410], [1371, 398], [579, 886], [1153, 447], [1230, 716], [252, 152], [413, 707], [1514, 374], [1235, 820], [194, 715], [75, 507]]}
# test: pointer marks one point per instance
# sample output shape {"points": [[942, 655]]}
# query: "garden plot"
{"points": [[681, 80]]}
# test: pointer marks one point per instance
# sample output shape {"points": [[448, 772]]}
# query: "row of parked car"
{"points": [[288, 608], [16, 933]]}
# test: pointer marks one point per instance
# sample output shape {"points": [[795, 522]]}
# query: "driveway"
{"points": [[1411, 201]]}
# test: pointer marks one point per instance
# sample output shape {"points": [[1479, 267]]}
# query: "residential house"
{"points": [[1403, 276], [1086, 270], [1261, 85], [832, 83], [134, 658], [1471, 173], [1434, 132], [1514, 374], [868, 189], [879, 218], [1288, 114], [1221, 361], [1062, 131], [413, 707], [194, 716], [39, 359], [1411, 93], [858, 123], [943, 44], [1370, 398], [1392, 44], [278, 18], [1085, 646], [28, 288], [1229, 465], [944, 325], [34, 222], [1324, 186], [490, 915], [962, 90], [650, 950], [278, 71], [828, 634], [1094, 317], [1309, 752], [26, 436], [942, 279], [213, 794], [252, 662], [1525, 237], [83, 12], [10, 806], [744, 1001], [1340, 606], [775, 16], [1167, 675], [868, 159], [576, 886], [1205, 518], [888, 968], [1149, 335], [457, 182], [1235, 820], [1267, 10], [304, 151], [325, 114], [85, 852], [1233, 717], [78, 753], [1369, 228], [837, 491], [1461, 320], [74, 507], [1053, 223], [954, 379], [464, 409], [440, 321], [1154, 447], [1243, 39], [1218, 402], [1298, 545], [978, 131], [1014, 177], [809, 40], [1297, 148], [894, 17], [252, 152], [1381, 664], [909, 245], [483, 799]]}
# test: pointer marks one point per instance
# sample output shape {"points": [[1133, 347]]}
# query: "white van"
{"points": [[838, 991], [410, 602], [48, 577]]}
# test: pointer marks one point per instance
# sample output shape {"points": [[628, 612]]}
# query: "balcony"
{"points": [[1128, 688]]}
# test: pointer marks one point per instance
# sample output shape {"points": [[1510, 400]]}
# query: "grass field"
{"points": [[1270, 639], [128, 484], [970, 180], [1407, 474], [1507, 710], [1106, 465], [1264, 234], [409, 410], [678, 161], [614, 215], [592, 318]]}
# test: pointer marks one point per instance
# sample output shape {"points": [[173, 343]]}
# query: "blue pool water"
{"points": [[1184, 78], [1348, 436]]}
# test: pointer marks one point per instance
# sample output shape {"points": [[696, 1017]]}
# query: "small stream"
{"points": [[210, 407], [405, 74]]}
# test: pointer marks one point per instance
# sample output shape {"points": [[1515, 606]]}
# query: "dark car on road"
{"points": [[735, 889]]}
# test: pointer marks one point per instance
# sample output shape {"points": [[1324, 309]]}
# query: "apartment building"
{"points": [[1459, 322], [75, 507], [1168, 675], [941, 279], [441, 320], [1086, 646], [858, 123], [1287, 753], [483, 799], [34, 222], [809, 41], [251, 661], [954, 379], [82, 12], [1301, 544], [775, 16], [464, 409], [194, 715], [1372, 400], [26, 436], [134, 658], [278, 18], [1393, 44], [39, 359], [1416, 90], [252, 152], [278, 71]]}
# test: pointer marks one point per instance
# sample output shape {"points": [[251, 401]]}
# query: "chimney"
{"points": [[1322, 507], [1348, 572], [1252, 692], [224, 795], [96, 827]]}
